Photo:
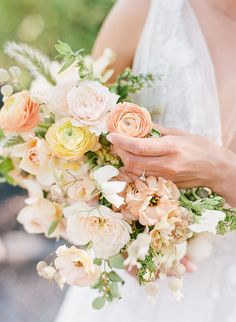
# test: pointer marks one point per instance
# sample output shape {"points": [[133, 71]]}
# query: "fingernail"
{"points": [[109, 138]]}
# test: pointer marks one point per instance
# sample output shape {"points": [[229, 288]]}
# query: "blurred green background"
{"points": [[41, 23]]}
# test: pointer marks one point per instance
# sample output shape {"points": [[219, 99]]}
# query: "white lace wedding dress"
{"points": [[173, 46]]}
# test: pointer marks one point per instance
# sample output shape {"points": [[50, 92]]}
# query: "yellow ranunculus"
{"points": [[70, 142]]}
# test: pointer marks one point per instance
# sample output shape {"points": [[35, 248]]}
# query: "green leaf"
{"points": [[116, 261], [1, 134], [114, 290], [53, 226], [99, 302], [67, 63], [63, 48], [6, 166], [97, 261], [14, 140], [98, 283], [114, 277], [155, 133]]}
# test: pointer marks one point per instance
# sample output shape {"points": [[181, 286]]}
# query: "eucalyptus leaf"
{"points": [[99, 302], [114, 277], [97, 261], [97, 283], [116, 261], [114, 290]]}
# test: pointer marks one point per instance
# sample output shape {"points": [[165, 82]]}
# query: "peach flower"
{"points": [[19, 113], [36, 159], [173, 228], [76, 266], [149, 201], [130, 119]]}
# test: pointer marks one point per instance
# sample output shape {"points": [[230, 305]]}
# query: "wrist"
{"points": [[224, 179]]}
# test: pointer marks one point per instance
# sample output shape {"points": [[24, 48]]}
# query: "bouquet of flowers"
{"points": [[54, 143]]}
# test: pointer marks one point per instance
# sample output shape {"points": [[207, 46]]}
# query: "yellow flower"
{"points": [[70, 142]]}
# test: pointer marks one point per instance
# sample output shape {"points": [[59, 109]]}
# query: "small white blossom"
{"points": [[109, 189]]}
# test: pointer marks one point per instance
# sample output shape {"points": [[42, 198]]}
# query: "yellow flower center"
{"points": [[78, 263], [155, 200]]}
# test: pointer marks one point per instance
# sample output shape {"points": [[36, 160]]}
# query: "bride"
{"points": [[191, 45]]}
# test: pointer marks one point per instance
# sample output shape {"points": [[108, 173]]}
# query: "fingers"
{"points": [[169, 131], [136, 164], [141, 146], [189, 265]]}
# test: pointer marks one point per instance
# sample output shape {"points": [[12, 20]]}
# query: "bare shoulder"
{"points": [[121, 31]]}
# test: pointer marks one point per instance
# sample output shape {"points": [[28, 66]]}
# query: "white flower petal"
{"points": [[208, 221], [105, 174]]}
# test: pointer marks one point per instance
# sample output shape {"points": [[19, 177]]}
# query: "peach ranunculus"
{"points": [[36, 159], [106, 229], [130, 119], [19, 113], [40, 213], [149, 201], [89, 104], [76, 266], [70, 142]]}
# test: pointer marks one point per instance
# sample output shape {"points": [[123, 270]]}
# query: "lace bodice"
{"points": [[173, 48]]}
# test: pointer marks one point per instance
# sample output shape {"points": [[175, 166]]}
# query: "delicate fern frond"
{"points": [[32, 59]]}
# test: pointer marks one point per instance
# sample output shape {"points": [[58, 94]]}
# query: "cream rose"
{"points": [[130, 119], [36, 159], [76, 266], [89, 104], [105, 228], [39, 213], [19, 113]]}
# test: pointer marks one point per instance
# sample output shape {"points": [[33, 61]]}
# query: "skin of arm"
{"points": [[121, 31]]}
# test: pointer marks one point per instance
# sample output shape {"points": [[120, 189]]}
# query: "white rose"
{"points": [[89, 103], [39, 213], [105, 228], [76, 266]]}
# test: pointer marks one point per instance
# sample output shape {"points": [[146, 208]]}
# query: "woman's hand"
{"points": [[188, 160]]}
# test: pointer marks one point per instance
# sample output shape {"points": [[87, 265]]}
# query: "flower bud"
{"points": [[15, 71], [4, 75], [175, 284], [7, 90]]}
